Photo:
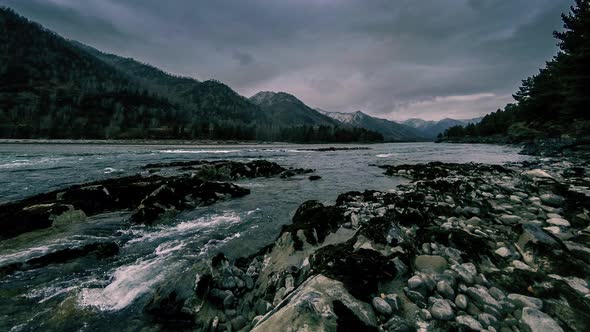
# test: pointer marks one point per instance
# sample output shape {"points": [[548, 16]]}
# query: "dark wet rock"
{"points": [[10, 269], [347, 320], [181, 194], [469, 323], [381, 306], [316, 221], [394, 302], [435, 170], [149, 196], [225, 169], [169, 312], [238, 323], [360, 271], [314, 178], [219, 261], [397, 324], [416, 297], [16, 219], [441, 310], [101, 250]]}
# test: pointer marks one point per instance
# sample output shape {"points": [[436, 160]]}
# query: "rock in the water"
{"points": [[441, 310], [314, 177], [533, 320], [431, 264]]}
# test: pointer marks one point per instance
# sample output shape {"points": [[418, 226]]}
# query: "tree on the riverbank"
{"points": [[555, 101]]}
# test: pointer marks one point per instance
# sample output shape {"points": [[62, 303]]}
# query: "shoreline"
{"points": [[463, 246], [183, 142]]}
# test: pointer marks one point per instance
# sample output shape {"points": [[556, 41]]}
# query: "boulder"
{"points": [[461, 301], [536, 174], [522, 301], [319, 304], [381, 306], [430, 264], [444, 289], [534, 320], [552, 200], [481, 297], [441, 310]]}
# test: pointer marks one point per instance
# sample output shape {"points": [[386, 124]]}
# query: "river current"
{"points": [[110, 294]]}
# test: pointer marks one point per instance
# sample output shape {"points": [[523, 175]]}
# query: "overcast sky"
{"points": [[396, 59]]}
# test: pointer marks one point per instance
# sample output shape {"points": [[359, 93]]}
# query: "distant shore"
{"points": [[134, 142], [171, 142]]}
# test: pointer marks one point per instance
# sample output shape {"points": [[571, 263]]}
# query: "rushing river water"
{"points": [[110, 294]]}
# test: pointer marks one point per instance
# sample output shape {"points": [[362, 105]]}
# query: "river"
{"points": [[91, 295]]}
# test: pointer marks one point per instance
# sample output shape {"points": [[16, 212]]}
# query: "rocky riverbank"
{"points": [[461, 247]]}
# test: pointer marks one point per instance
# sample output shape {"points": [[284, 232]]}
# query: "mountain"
{"points": [[432, 129], [286, 108], [201, 97], [51, 87], [391, 131]]}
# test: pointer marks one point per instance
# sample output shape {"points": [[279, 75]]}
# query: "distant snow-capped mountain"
{"points": [[391, 131]]}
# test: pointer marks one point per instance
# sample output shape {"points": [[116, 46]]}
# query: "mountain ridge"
{"points": [[391, 130], [56, 88]]}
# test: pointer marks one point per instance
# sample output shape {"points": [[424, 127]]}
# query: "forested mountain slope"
{"points": [[54, 88]]}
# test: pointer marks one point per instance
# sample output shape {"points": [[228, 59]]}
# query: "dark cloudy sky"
{"points": [[391, 58]]}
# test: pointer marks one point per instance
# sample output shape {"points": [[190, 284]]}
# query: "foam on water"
{"points": [[22, 254], [109, 170], [185, 228], [385, 155], [20, 163], [212, 244], [129, 282]]}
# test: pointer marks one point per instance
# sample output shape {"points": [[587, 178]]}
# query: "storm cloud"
{"points": [[394, 59]]}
